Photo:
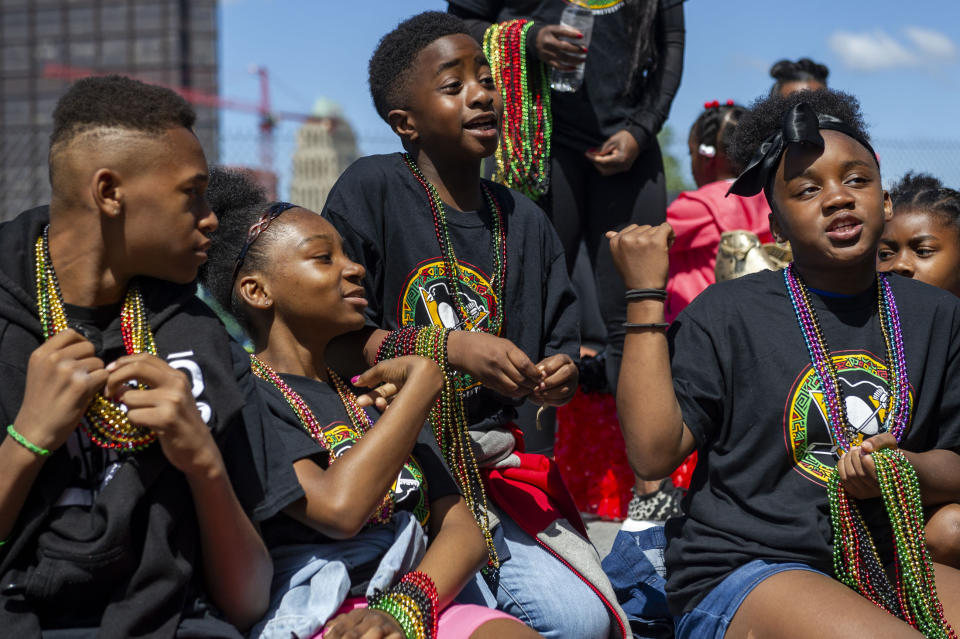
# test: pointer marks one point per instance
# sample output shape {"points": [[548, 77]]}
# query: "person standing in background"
{"points": [[606, 169]]}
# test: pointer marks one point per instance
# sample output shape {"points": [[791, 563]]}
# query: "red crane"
{"points": [[268, 117]]}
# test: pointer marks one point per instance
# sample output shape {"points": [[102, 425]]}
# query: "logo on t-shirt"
{"points": [[409, 489], [807, 434], [598, 6], [429, 294]]}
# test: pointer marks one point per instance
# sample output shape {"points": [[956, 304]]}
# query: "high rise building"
{"points": [[170, 42], [326, 145]]}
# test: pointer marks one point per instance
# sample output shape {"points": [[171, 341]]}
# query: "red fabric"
{"points": [[698, 218], [590, 452], [533, 495], [592, 458]]}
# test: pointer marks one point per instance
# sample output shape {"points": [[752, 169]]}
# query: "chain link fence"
{"points": [[24, 180]]}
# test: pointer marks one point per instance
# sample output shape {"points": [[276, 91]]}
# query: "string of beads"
{"points": [[857, 564], [106, 423], [448, 419], [413, 602], [358, 418], [523, 155]]}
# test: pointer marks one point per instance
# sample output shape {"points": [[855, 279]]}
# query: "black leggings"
{"points": [[584, 205]]}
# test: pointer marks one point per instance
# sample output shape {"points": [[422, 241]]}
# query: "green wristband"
{"points": [[23, 441]]}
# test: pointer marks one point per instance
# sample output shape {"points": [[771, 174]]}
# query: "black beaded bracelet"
{"points": [[634, 294], [658, 325]]}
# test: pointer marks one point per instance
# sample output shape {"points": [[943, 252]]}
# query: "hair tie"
{"points": [[707, 151], [256, 229], [801, 125]]}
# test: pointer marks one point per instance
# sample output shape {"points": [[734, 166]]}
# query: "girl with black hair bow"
{"points": [[809, 393]]}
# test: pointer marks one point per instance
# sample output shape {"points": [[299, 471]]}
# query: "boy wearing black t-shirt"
{"points": [[415, 219], [120, 520]]}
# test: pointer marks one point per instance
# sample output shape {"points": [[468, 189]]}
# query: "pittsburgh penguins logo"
{"points": [[429, 298], [807, 433], [598, 6], [410, 485]]}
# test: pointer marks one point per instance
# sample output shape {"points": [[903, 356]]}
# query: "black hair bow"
{"points": [[801, 125]]}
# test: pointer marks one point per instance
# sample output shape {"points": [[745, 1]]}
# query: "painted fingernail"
{"points": [[354, 379]]}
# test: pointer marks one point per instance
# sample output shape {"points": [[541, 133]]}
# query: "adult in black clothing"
{"points": [[606, 169]]}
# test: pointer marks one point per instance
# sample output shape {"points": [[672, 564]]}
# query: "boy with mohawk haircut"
{"points": [[124, 396]]}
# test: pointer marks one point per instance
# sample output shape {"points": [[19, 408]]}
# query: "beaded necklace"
{"points": [[898, 409], [523, 155], [358, 418], [106, 423], [498, 250], [856, 562], [448, 418]]}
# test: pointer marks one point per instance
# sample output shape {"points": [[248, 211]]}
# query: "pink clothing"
{"points": [[698, 218], [457, 621]]}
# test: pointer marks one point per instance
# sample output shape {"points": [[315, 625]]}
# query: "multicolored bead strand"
{"points": [[448, 419], [898, 409], [857, 564], [413, 602], [913, 596], [523, 155], [106, 423], [358, 417], [498, 251]]}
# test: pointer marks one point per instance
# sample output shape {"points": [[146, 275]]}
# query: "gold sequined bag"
{"points": [[741, 253]]}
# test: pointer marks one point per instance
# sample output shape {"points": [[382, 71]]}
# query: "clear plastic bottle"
{"points": [[580, 19]]}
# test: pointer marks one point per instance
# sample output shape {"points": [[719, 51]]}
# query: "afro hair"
{"points": [[118, 102], [389, 71], [766, 117], [238, 203]]}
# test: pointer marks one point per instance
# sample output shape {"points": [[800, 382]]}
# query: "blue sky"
{"points": [[902, 59]]}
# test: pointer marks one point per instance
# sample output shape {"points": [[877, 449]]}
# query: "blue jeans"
{"points": [[538, 589], [637, 572], [712, 616]]}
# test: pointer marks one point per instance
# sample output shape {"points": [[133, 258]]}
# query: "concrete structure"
{"points": [[172, 42], [326, 145]]}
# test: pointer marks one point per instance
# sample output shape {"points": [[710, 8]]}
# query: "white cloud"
{"points": [[879, 50], [932, 44], [871, 51]]}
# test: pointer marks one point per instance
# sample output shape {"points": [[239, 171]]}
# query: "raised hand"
{"points": [[641, 254], [63, 375]]}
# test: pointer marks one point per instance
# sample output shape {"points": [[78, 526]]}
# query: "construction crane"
{"points": [[268, 117]]}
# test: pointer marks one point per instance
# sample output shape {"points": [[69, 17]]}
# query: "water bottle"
{"points": [[580, 19]]}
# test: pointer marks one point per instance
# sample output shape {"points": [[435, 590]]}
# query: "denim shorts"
{"points": [[712, 616]]}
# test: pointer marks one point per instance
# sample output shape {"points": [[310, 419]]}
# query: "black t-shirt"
{"points": [[384, 216], [745, 384], [422, 480], [112, 540], [586, 118]]}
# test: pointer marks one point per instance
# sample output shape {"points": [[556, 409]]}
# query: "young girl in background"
{"points": [[922, 241], [699, 217]]}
